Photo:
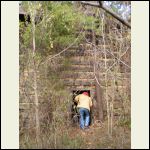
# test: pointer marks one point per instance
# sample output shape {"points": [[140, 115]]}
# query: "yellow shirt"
{"points": [[83, 101]]}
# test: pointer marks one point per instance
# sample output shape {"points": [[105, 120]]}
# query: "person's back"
{"points": [[84, 102]]}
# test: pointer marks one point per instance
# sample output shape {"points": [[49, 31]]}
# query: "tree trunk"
{"points": [[36, 100], [36, 108]]}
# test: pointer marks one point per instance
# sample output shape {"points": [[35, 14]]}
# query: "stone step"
{"points": [[80, 87], [117, 104], [122, 80], [78, 68], [81, 58], [90, 61], [99, 53], [114, 83], [79, 52], [26, 105], [85, 60], [79, 62], [79, 82], [120, 93], [118, 76], [100, 64], [78, 75]]}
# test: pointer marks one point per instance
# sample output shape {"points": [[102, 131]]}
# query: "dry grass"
{"points": [[67, 137]]}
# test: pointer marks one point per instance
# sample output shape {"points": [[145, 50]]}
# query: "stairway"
{"points": [[79, 75]]}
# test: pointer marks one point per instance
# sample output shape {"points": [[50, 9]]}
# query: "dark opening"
{"points": [[77, 92], [22, 18]]}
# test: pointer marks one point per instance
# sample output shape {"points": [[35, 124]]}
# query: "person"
{"points": [[84, 104]]}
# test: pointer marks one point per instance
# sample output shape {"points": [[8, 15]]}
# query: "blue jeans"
{"points": [[84, 117]]}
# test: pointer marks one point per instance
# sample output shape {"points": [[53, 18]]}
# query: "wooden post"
{"points": [[36, 99], [99, 99]]}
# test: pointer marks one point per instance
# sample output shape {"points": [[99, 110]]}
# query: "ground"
{"points": [[96, 137]]}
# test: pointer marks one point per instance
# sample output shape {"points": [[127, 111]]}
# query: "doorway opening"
{"points": [[74, 110]]}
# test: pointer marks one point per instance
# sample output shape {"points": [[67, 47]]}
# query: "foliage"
{"points": [[56, 27], [58, 24]]}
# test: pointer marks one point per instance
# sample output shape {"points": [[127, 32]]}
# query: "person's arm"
{"points": [[91, 102], [76, 99]]}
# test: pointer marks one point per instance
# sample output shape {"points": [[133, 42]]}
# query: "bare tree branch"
{"points": [[100, 5]]}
